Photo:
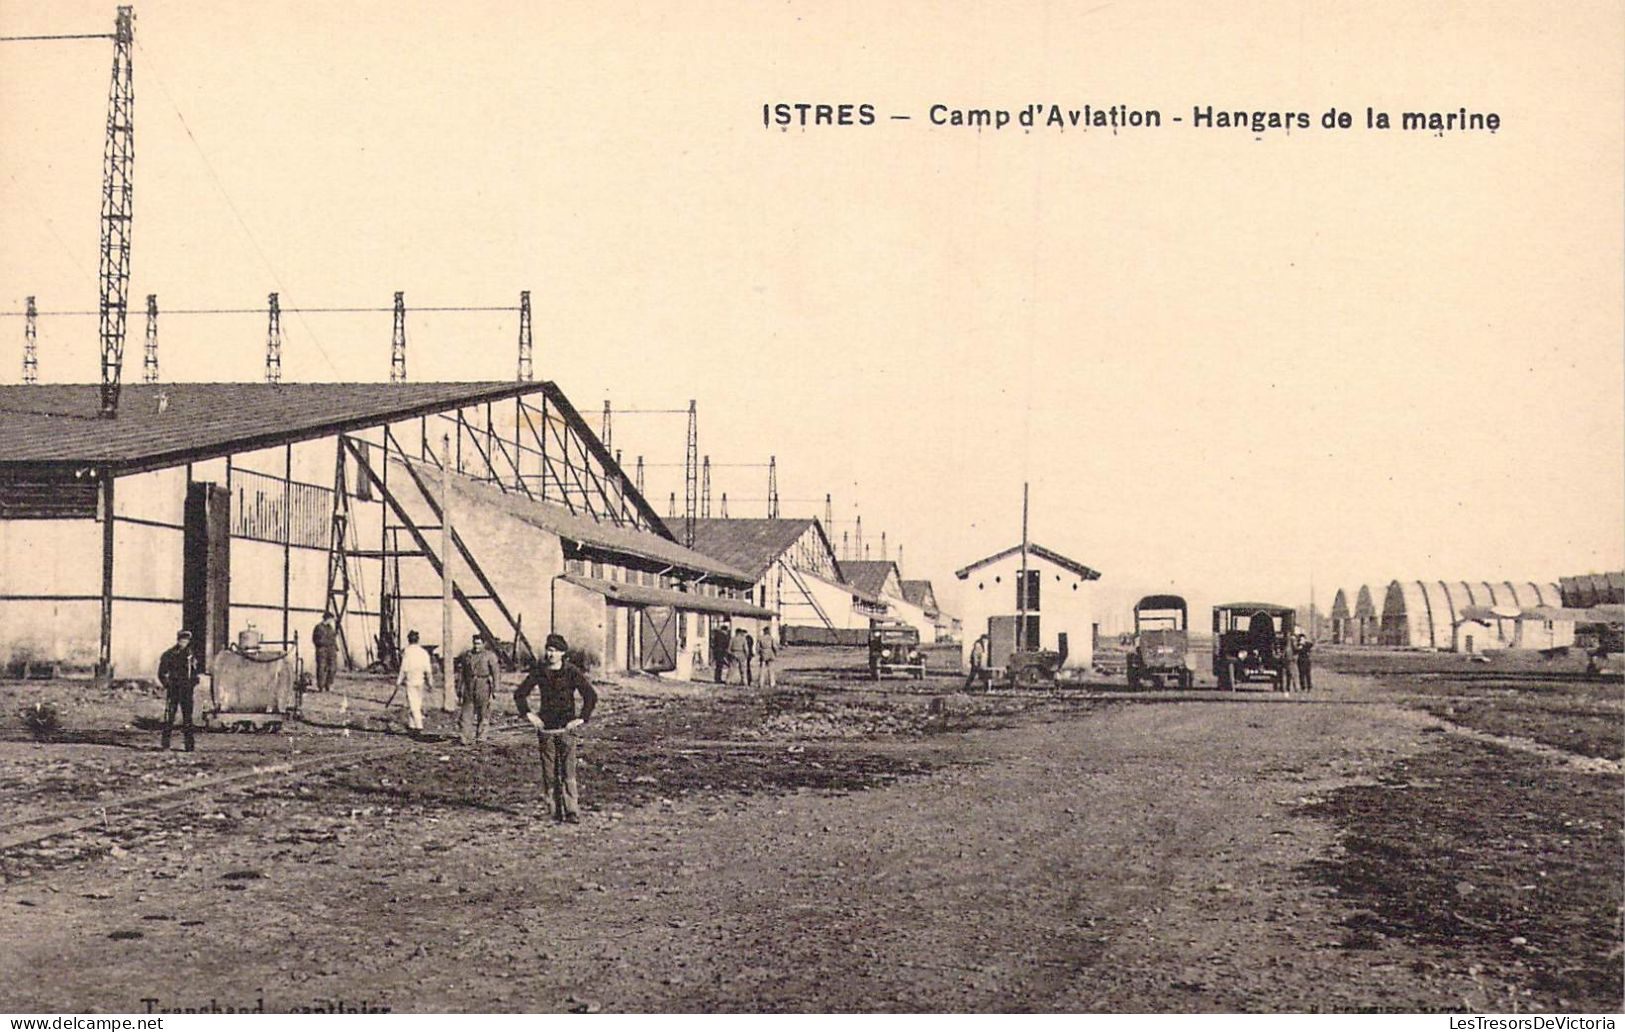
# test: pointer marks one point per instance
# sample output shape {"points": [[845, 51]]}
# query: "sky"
{"points": [[1229, 364]]}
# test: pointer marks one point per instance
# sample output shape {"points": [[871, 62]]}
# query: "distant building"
{"points": [[920, 593], [1470, 616], [793, 569], [882, 580], [1057, 596]]}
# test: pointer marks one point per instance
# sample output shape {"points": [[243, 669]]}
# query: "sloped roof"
{"points": [[867, 575], [749, 545], [582, 529], [1039, 550], [58, 424], [920, 593]]}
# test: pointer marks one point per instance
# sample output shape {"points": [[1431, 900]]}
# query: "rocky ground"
{"points": [[1392, 841]]}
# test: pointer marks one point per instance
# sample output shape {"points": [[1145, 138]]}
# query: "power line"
{"points": [[35, 39], [261, 311]]}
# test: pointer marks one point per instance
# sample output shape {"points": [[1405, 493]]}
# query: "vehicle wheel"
{"points": [[1187, 681], [1133, 681]]}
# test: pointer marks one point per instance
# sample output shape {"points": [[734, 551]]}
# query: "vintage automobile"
{"points": [[895, 649], [1161, 635], [1249, 643]]}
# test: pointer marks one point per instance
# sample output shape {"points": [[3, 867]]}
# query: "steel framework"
{"points": [[149, 369], [273, 339], [30, 350], [118, 162], [397, 346]]}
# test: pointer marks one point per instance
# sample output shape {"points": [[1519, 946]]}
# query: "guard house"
{"points": [[1057, 596], [212, 506]]}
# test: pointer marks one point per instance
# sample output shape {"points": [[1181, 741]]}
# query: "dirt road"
{"points": [[1093, 857]]}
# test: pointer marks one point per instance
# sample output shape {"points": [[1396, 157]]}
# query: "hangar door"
{"points": [[659, 638]]}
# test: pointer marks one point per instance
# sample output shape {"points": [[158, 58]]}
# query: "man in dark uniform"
{"points": [[1305, 646], [477, 675], [557, 684], [178, 673], [326, 639], [721, 643]]}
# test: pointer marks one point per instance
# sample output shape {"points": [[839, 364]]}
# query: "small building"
{"points": [[1057, 596], [213, 506]]}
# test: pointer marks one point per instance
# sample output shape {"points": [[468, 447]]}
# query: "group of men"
{"points": [[1297, 663], [734, 649], [554, 683]]}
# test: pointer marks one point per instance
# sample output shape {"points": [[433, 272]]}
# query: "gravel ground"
{"points": [[836, 849]]}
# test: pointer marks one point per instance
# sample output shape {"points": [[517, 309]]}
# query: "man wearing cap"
{"points": [[721, 643], [477, 674], [178, 673], [557, 684], [326, 640]]}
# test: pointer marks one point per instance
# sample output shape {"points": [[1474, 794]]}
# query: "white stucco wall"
{"points": [[1066, 604]]}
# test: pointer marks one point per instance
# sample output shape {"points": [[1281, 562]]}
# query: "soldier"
{"points": [[1304, 647], [477, 674], [557, 684], [978, 662], [721, 642], [326, 639], [1289, 663], [767, 658], [178, 673], [739, 656]]}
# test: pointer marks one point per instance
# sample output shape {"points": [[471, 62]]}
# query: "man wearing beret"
{"points": [[556, 684]]}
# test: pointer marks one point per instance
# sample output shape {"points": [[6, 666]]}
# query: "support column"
{"points": [[104, 665]]}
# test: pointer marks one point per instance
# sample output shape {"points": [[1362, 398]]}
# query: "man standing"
{"points": [[326, 639], [557, 684], [416, 671], [1304, 647], [767, 657], [739, 654], [477, 674], [978, 661], [1289, 663], [178, 673], [721, 642]]}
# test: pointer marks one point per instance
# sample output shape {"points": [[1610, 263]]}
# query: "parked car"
{"points": [[1249, 643], [1161, 636], [895, 649]]}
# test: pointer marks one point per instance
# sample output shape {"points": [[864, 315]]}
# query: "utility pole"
{"points": [[724, 505], [899, 560], [829, 514], [525, 371], [883, 544], [857, 539], [671, 507], [846, 546], [273, 340], [118, 165], [448, 684], [640, 474], [397, 348], [691, 464], [705, 489], [1021, 584], [149, 371], [772, 487], [30, 351], [608, 426]]}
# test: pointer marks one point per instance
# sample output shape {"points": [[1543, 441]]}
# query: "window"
{"points": [[1030, 602]]}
